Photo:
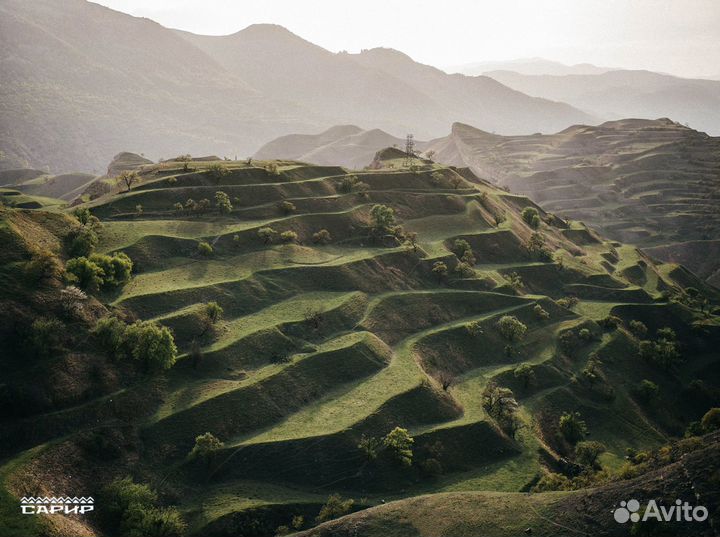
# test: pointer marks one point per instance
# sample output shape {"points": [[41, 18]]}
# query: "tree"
{"points": [[398, 443], [446, 379], [638, 328], [383, 217], [131, 510], [82, 241], [217, 171], [411, 240], [440, 269], [501, 405], [127, 179], [540, 312], [286, 207], [110, 333], [267, 234], [178, 208], [222, 202], [45, 336], [511, 328], [288, 236], [205, 445], [185, 159], [86, 274], [525, 373], [536, 247], [711, 420], [460, 246], [203, 205], [43, 265], [464, 270], [151, 344], [335, 507], [322, 237], [213, 312], [587, 453], [191, 205], [572, 427], [371, 447], [647, 390], [456, 181], [531, 217], [116, 268], [204, 248]]}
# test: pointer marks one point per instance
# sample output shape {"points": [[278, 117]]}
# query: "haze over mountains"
{"points": [[82, 82], [627, 94], [529, 66]]}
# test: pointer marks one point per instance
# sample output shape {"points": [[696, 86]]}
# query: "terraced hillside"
{"points": [[304, 350], [646, 182]]}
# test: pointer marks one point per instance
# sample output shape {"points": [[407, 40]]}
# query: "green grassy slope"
{"points": [[322, 344]]}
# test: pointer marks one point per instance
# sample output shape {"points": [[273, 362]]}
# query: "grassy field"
{"points": [[322, 344]]}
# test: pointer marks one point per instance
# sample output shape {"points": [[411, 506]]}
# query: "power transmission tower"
{"points": [[409, 150]]}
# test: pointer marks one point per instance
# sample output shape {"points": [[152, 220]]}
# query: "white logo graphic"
{"points": [[31, 505], [680, 512]]}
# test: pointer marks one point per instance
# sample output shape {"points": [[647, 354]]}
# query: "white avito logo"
{"points": [[680, 512], [31, 505]]}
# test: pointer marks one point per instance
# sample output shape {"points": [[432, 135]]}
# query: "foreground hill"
{"points": [[622, 93], [652, 183], [380, 335], [552, 514]]}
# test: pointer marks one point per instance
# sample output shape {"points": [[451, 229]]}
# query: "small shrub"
{"points": [[647, 391], [45, 336], [335, 507], [638, 328], [440, 270], [288, 236], [204, 249], [286, 207], [572, 427], [222, 203], [398, 443], [568, 302], [540, 312], [474, 328], [267, 234], [587, 453], [511, 328], [711, 420], [464, 270], [501, 405], [205, 445], [217, 171], [322, 237], [525, 373], [531, 217]]}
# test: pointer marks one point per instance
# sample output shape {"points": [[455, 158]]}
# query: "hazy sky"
{"points": [[676, 36]]}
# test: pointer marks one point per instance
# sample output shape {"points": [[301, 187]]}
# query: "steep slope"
{"points": [[561, 514], [621, 93], [477, 100], [81, 82], [326, 342], [646, 182], [378, 87], [347, 146]]}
